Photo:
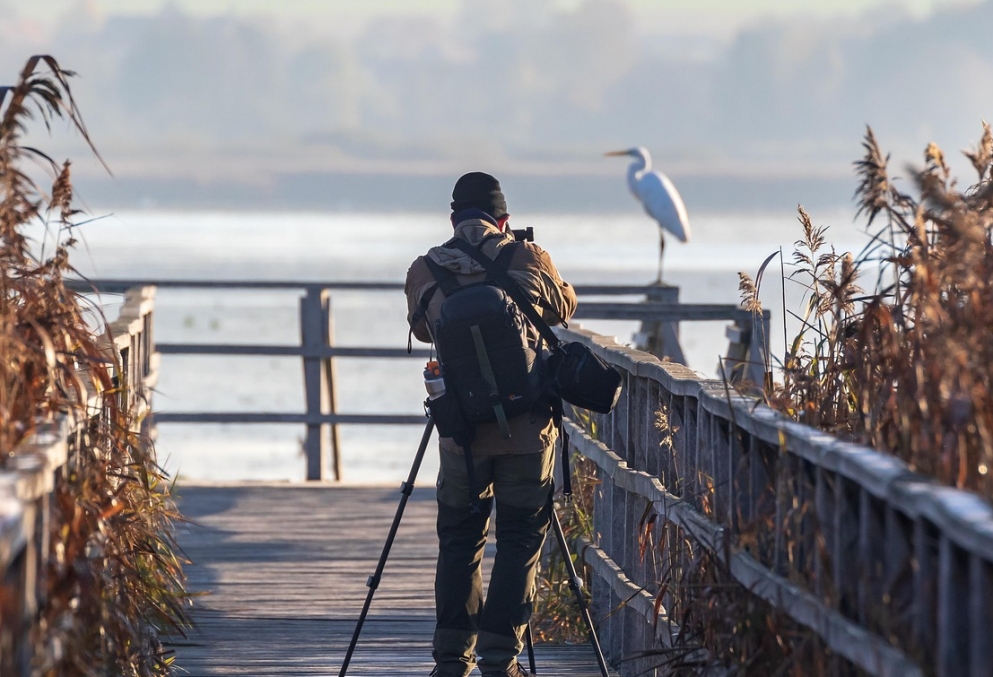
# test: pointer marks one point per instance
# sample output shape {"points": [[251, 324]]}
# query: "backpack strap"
{"points": [[486, 367], [509, 285], [502, 262], [444, 280]]}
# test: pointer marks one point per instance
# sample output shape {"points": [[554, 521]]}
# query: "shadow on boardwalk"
{"points": [[285, 565]]}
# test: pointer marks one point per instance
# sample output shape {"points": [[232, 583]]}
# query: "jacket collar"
{"points": [[473, 213], [473, 231]]}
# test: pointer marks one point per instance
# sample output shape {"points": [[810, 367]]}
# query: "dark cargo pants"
{"points": [[469, 629]]}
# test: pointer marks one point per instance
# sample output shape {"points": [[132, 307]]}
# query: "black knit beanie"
{"points": [[481, 191]]}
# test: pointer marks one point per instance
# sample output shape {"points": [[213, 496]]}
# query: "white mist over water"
{"points": [[338, 247]]}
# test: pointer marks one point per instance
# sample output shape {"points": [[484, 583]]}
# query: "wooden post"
{"points": [[675, 480], [313, 327], [739, 335], [700, 453], [844, 550], [148, 337], [16, 581], [331, 383], [722, 460], [953, 610], [897, 578], [748, 342], [661, 338], [758, 349], [925, 573], [980, 617]]}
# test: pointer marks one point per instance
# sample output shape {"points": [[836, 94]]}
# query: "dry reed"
{"points": [[557, 617], [908, 367], [114, 582]]}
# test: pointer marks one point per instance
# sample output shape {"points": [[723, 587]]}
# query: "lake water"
{"points": [[620, 249]]}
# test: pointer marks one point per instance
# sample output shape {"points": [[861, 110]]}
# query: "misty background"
{"points": [[378, 105], [320, 139]]}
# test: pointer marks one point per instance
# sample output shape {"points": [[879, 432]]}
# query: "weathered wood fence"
{"points": [[29, 475], [318, 351], [893, 572], [26, 482]]}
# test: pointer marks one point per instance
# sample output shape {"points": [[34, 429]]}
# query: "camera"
{"points": [[524, 234]]}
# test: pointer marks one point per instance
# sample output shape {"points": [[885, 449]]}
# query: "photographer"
{"points": [[511, 462]]}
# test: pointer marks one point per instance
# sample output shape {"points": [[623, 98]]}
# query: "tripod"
{"points": [[406, 488]]}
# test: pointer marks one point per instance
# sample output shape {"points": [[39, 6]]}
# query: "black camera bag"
{"points": [[577, 374], [582, 378]]}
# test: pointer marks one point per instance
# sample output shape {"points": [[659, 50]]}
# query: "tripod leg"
{"points": [[575, 584], [405, 490], [529, 640]]}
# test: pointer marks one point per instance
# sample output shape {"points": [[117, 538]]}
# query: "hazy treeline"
{"points": [[521, 80]]}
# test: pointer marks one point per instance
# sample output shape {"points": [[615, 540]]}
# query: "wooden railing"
{"points": [[29, 475], [318, 351], [892, 571], [26, 481]]}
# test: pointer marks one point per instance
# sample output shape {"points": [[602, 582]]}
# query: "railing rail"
{"points": [[318, 351], [28, 477], [893, 571]]}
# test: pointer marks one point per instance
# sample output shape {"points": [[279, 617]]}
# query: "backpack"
{"points": [[492, 372]]}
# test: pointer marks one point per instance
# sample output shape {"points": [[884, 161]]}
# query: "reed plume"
{"points": [[114, 583], [908, 367]]}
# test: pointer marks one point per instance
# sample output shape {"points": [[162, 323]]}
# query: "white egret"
{"points": [[658, 196]]}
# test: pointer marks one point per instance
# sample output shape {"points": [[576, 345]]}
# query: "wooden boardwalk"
{"points": [[284, 568]]}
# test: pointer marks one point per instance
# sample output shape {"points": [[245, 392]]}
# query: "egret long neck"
{"points": [[635, 170], [638, 165]]}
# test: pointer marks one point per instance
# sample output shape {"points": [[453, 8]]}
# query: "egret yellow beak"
{"points": [[615, 153]]}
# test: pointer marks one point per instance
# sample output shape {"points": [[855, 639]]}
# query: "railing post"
{"points": [[313, 326], [661, 338], [739, 337], [925, 572], [758, 348], [748, 341], [15, 592], [980, 617], [148, 378], [331, 382], [953, 610]]}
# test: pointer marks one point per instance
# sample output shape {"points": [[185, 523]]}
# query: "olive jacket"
{"points": [[532, 268]]}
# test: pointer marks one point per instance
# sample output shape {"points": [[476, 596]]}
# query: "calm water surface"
{"points": [[346, 247]]}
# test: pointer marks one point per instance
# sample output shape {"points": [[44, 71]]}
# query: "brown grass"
{"points": [[908, 367], [557, 617], [114, 582]]}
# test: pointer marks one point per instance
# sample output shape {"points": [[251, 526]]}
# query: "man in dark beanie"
{"points": [[513, 470], [480, 191]]}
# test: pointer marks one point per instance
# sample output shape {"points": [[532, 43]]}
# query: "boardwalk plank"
{"points": [[285, 566]]}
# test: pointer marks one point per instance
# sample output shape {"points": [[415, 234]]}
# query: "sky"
{"points": [[50, 9], [244, 97], [719, 18]]}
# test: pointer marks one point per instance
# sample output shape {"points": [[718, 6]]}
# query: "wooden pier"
{"points": [[885, 572], [283, 568]]}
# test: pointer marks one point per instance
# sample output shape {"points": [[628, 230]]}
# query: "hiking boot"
{"points": [[515, 670], [439, 671]]}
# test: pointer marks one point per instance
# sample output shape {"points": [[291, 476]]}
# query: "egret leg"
{"points": [[658, 280]]}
